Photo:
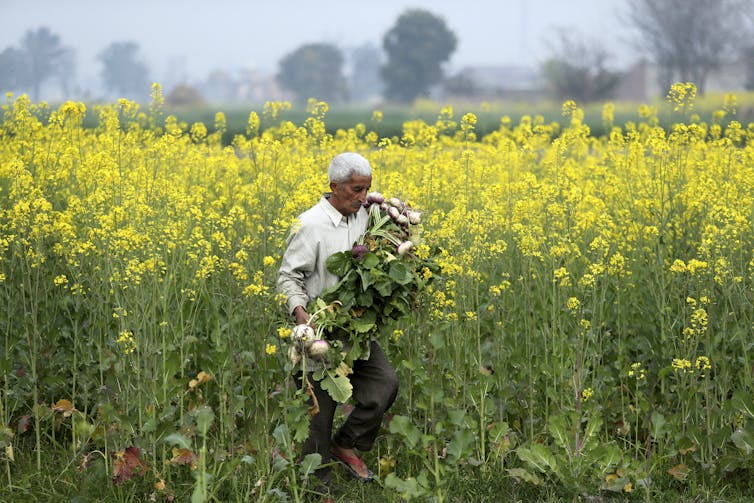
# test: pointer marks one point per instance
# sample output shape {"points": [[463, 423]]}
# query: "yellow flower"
{"points": [[703, 363], [681, 364], [126, 339], [637, 371], [396, 335], [270, 349], [573, 304], [586, 394], [268, 261], [678, 266], [284, 332]]}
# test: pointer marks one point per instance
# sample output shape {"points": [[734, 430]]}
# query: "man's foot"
{"points": [[352, 463]]}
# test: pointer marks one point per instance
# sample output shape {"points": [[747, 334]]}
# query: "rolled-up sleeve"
{"points": [[298, 263]]}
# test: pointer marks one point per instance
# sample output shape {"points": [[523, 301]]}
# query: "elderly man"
{"points": [[331, 226]]}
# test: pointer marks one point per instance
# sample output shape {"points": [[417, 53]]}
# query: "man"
{"points": [[331, 226]]}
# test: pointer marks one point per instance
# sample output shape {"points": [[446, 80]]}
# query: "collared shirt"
{"points": [[319, 232]]}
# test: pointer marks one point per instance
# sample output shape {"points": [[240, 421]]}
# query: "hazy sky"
{"points": [[197, 36]]}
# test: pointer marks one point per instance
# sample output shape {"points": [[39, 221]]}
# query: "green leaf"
{"points": [[339, 263], [658, 425], [365, 323], [498, 431], [437, 340], [457, 416], [198, 495], [370, 261], [204, 419], [744, 440], [402, 425], [310, 463], [339, 387], [459, 446], [81, 426], [538, 456], [408, 489], [605, 455], [558, 430], [520, 474], [179, 440], [593, 426], [280, 434], [399, 273], [384, 287], [743, 402], [364, 299], [366, 279]]}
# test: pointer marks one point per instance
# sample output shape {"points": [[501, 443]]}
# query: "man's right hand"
{"points": [[302, 317]]}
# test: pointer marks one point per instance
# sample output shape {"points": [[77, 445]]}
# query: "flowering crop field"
{"points": [[588, 334]]}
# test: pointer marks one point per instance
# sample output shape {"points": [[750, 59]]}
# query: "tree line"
{"points": [[686, 39]]}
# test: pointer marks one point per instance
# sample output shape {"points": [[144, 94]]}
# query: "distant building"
{"points": [[488, 82], [249, 86], [258, 87], [641, 81]]}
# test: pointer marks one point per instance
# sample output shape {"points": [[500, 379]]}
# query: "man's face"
{"points": [[347, 197]]}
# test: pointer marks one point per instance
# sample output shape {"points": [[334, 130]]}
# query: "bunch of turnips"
{"points": [[381, 279]]}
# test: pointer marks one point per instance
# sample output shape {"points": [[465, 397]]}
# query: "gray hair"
{"points": [[345, 165]]}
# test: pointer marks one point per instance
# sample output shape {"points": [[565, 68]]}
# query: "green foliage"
{"points": [[314, 71], [417, 46], [39, 57], [123, 73], [13, 70], [577, 71], [689, 39], [381, 279]]}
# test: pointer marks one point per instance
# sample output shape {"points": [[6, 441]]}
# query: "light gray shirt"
{"points": [[318, 233]]}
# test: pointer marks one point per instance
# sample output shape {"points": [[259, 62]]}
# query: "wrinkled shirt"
{"points": [[318, 233]]}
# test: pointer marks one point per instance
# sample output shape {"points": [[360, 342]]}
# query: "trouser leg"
{"points": [[320, 426], [375, 386]]}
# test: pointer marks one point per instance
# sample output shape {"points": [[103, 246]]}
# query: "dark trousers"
{"points": [[375, 386]]}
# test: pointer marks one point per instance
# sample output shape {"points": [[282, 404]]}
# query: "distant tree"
{"points": [[365, 81], [314, 71], [13, 72], [688, 39], [417, 46], [67, 71], [749, 67], [576, 70], [43, 55], [123, 72]]}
